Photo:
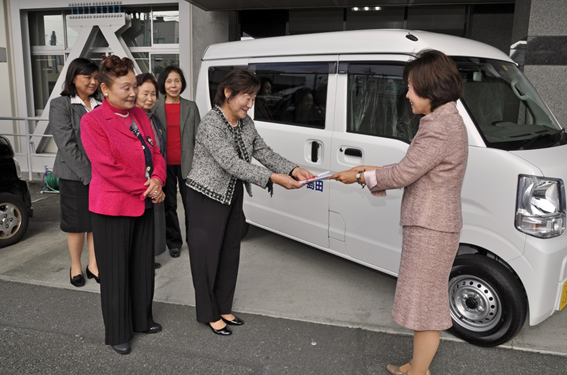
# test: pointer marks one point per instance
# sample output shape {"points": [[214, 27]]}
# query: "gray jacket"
{"points": [[188, 124], [217, 164], [71, 162]]}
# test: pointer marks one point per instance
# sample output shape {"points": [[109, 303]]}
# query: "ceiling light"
{"points": [[355, 9], [377, 8], [366, 8]]}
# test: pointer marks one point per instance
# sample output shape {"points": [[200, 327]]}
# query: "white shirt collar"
{"points": [[76, 100]]}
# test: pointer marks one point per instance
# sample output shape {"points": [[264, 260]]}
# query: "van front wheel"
{"points": [[14, 219], [487, 302]]}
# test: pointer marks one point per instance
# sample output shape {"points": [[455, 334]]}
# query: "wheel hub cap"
{"points": [[474, 303], [10, 220]]}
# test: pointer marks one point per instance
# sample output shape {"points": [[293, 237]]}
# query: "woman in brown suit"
{"points": [[432, 173]]}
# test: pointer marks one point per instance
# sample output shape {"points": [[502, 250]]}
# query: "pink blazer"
{"points": [[117, 160], [432, 172]]}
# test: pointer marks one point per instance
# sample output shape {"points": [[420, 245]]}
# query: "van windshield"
{"points": [[505, 107]]}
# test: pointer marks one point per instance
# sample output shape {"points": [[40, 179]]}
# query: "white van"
{"points": [[332, 101]]}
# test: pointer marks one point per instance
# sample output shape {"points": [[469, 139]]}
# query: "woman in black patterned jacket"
{"points": [[226, 142]]}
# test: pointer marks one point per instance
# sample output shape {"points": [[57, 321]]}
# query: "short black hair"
{"points": [[237, 80], [263, 81], [163, 77], [147, 77], [77, 67]]}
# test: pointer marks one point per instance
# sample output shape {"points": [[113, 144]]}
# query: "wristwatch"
{"points": [[358, 175]]}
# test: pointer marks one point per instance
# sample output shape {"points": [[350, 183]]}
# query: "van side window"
{"points": [[216, 74], [377, 103], [293, 93]]}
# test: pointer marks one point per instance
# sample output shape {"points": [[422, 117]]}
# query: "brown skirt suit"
{"points": [[432, 173]]}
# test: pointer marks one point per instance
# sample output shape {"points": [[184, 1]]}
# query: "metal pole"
{"points": [[29, 157]]}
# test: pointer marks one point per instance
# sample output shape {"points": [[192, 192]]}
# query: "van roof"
{"points": [[353, 42]]}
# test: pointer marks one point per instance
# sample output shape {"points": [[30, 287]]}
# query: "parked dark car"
{"points": [[15, 201]]}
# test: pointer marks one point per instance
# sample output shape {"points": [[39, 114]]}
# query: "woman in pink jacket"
{"points": [[128, 173], [432, 174]]}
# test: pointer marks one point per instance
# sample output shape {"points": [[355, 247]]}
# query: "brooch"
{"points": [[150, 141]]}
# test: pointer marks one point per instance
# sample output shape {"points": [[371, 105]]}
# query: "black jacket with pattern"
{"points": [[223, 154]]}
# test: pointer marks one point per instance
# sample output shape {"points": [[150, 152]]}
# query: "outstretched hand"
{"points": [[364, 168], [301, 174], [346, 177], [285, 181]]}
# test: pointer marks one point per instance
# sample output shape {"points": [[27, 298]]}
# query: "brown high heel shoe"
{"points": [[395, 370]]}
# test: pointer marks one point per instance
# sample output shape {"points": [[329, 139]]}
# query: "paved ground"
{"points": [[59, 331], [306, 312]]}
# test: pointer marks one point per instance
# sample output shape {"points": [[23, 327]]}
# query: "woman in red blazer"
{"points": [[128, 173]]}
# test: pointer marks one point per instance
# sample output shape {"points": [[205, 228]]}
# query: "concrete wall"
{"points": [[208, 28], [6, 92], [548, 23], [492, 27]]}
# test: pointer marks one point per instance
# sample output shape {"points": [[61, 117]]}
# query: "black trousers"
{"points": [[214, 251], [125, 258], [172, 231]]}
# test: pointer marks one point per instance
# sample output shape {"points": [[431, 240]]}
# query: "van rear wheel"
{"points": [[487, 301]]}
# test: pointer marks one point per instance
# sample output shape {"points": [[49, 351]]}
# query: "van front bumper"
{"points": [[543, 270]]}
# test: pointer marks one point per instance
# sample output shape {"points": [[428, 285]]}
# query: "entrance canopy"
{"points": [[296, 4]]}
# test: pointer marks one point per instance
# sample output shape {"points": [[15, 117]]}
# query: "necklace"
{"points": [[121, 115], [227, 120]]}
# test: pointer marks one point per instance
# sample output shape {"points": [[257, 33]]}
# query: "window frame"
{"points": [[330, 69], [391, 61], [65, 49]]}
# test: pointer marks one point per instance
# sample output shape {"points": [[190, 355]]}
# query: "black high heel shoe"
{"points": [[90, 275], [225, 331], [235, 322], [77, 280]]}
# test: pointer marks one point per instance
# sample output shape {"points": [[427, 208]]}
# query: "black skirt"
{"points": [[74, 199]]}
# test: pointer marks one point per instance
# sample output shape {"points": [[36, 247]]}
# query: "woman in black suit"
{"points": [[146, 99], [72, 165]]}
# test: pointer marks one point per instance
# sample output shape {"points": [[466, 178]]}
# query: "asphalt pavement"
{"points": [[306, 312]]}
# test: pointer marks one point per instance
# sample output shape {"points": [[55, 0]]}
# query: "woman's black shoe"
{"points": [[122, 348], [155, 328], [90, 275], [77, 280], [225, 331], [235, 322]]}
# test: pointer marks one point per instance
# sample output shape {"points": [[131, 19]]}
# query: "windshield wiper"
{"points": [[545, 140]]}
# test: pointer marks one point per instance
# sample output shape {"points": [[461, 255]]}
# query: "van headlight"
{"points": [[18, 169], [540, 207]]}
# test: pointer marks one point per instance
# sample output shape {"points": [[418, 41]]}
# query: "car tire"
{"points": [[14, 219], [487, 301]]}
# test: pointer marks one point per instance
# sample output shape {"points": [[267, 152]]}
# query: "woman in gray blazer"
{"points": [[432, 173], [71, 163], [181, 119], [226, 143]]}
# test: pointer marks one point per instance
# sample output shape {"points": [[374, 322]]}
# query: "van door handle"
{"points": [[353, 152], [315, 151]]}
